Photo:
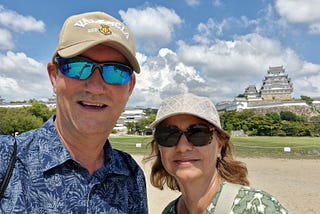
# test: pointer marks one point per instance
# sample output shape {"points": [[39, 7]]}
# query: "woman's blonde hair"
{"points": [[229, 169]]}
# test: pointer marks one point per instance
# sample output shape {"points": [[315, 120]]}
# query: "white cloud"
{"points": [[19, 23], [13, 63], [314, 28], [8, 86], [211, 65], [220, 68], [153, 26], [217, 3], [206, 29], [212, 29], [193, 2], [23, 78], [303, 12], [299, 11], [306, 79], [6, 42], [162, 76], [245, 61]]}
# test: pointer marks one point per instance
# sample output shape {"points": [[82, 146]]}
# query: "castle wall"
{"points": [[299, 110], [272, 97]]}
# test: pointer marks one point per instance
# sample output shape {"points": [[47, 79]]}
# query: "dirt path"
{"points": [[295, 183]]}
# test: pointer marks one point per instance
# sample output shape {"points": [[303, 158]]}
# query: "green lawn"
{"points": [[273, 147], [128, 144], [301, 147]]}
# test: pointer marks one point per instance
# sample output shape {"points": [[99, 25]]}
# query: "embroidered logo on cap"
{"points": [[83, 22], [105, 29]]}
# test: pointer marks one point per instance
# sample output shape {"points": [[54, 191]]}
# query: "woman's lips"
{"points": [[186, 160]]}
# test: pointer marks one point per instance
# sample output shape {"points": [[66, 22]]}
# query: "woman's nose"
{"points": [[183, 144]]}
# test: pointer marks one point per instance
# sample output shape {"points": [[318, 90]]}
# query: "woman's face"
{"points": [[184, 161]]}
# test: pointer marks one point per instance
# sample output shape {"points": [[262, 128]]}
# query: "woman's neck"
{"points": [[197, 196]]}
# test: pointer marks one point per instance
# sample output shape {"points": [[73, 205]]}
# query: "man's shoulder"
{"points": [[124, 157], [6, 151], [6, 144], [45, 132], [125, 162]]}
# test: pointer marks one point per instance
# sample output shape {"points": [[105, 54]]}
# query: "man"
{"points": [[68, 165]]}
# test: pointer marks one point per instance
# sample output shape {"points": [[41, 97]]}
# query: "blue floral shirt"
{"points": [[46, 179]]}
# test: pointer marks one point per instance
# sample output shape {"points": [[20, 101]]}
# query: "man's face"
{"points": [[91, 106]]}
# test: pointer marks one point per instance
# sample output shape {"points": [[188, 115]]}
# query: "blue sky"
{"points": [[211, 48]]}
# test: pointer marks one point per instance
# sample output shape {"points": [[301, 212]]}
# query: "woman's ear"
{"points": [[53, 73]]}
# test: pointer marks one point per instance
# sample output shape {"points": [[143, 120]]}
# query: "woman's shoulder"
{"points": [[253, 200]]}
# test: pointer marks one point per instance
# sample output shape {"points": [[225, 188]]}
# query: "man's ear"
{"points": [[132, 83], [52, 72]]}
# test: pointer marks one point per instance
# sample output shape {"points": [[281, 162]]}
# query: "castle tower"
{"points": [[252, 93], [276, 85]]}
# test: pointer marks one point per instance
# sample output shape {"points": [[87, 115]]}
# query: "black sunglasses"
{"points": [[197, 135], [82, 68]]}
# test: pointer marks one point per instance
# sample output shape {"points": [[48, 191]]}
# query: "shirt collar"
{"points": [[53, 152]]}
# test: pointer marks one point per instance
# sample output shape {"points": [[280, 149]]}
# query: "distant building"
{"points": [[252, 94], [276, 85], [128, 115], [131, 115], [316, 103], [275, 95]]}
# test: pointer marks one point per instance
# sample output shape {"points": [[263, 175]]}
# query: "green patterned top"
{"points": [[248, 200]]}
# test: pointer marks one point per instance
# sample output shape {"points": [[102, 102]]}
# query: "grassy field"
{"points": [[273, 147]]}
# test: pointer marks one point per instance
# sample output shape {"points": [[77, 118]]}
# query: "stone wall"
{"points": [[274, 97], [299, 110], [317, 106], [238, 133]]}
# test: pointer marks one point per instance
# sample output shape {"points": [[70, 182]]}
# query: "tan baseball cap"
{"points": [[188, 103], [83, 31]]}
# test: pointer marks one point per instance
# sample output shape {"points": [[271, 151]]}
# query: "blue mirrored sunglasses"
{"points": [[82, 68]]}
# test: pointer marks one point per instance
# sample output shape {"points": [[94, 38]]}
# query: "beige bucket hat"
{"points": [[188, 103]]}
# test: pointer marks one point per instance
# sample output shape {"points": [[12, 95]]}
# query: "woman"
{"points": [[193, 155]]}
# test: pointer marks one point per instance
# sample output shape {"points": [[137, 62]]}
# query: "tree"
{"points": [[40, 110], [150, 111], [241, 96], [274, 116], [308, 100], [272, 124], [143, 125], [131, 127], [18, 120], [1, 100], [262, 124], [315, 120], [288, 116]]}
